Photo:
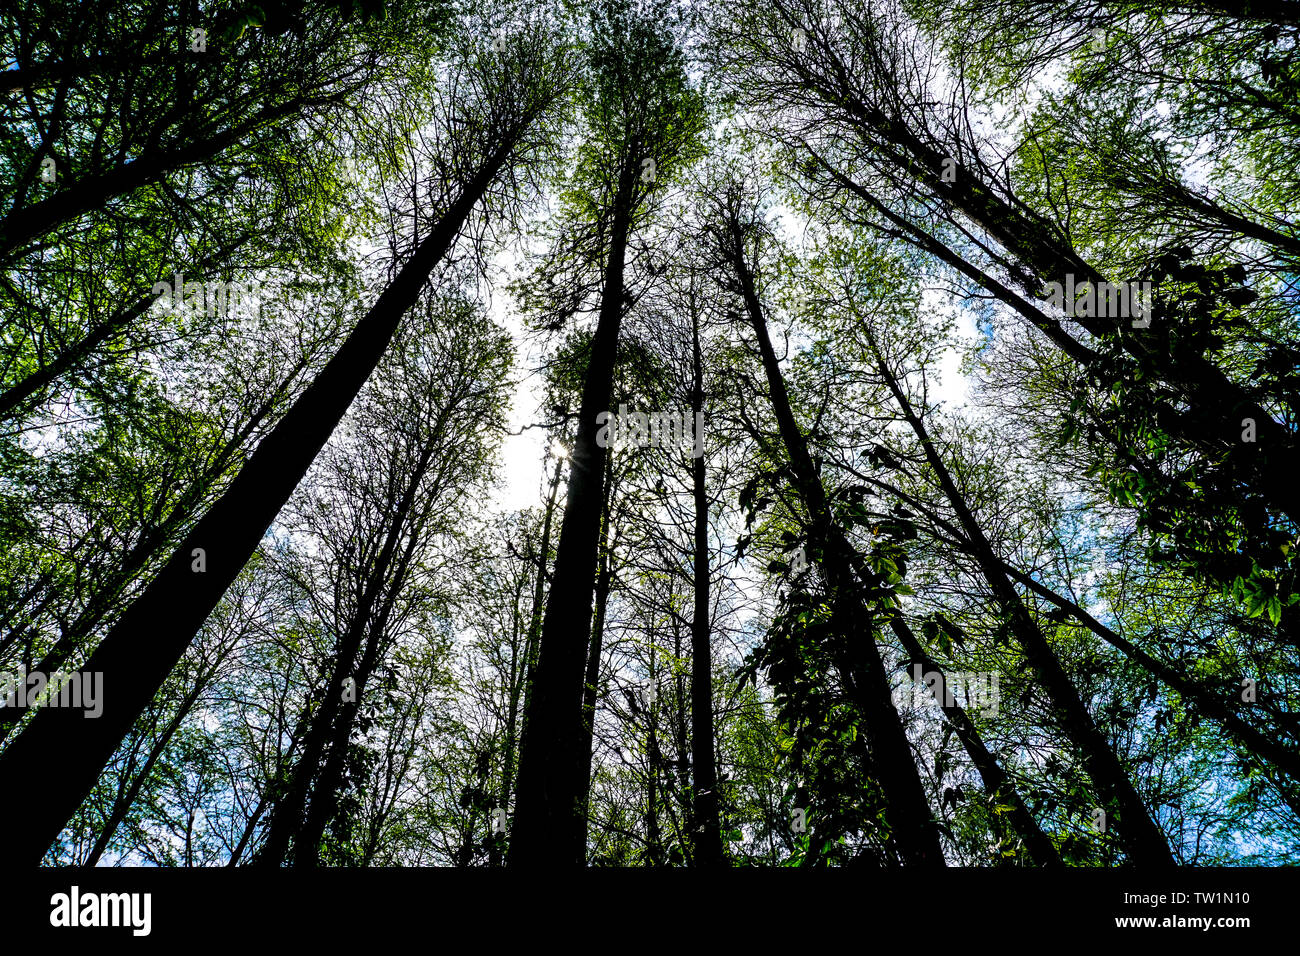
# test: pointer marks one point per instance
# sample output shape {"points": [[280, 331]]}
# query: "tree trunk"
{"points": [[591, 686], [707, 842], [548, 826], [539, 606], [858, 657], [142, 648], [18, 394], [997, 784], [324, 795], [653, 836], [514, 695], [292, 820], [23, 225], [1143, 841]]}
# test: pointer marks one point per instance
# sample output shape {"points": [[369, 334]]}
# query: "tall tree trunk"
{"points": [[591, 685], [324, 797], [997, 784], [27, 223], [139, 652], [269, 795], [289, 810], [858, 658], [653, 836], [535, 619], [250, 828], [549, 827], [13, 398], [290, 817], [1207, 702], [1143, 841], [707, 842], [514, 696]]}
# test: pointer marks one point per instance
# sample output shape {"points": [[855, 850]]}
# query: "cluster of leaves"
{"points": [[1201, 495]]}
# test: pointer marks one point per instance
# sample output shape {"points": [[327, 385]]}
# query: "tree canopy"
{"points": [[654, 433]]}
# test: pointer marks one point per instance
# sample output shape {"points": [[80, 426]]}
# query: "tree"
{"points": [[519, 96], [640, 108]]}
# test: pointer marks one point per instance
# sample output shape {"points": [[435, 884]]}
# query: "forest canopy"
{"points": [[650, 433]]}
